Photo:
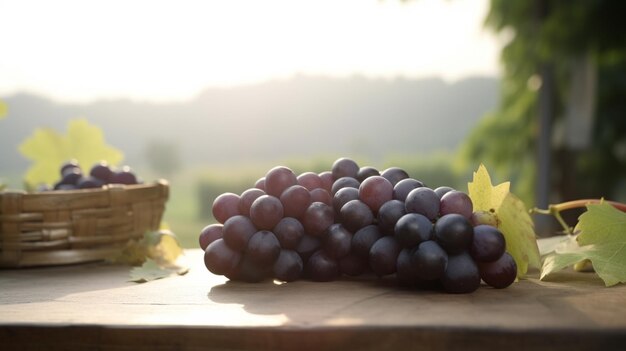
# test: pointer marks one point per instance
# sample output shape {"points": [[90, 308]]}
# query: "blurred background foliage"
{"points": [[583, 45]]}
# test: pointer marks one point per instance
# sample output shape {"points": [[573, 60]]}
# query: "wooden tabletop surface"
{"points": [[94, 306]]}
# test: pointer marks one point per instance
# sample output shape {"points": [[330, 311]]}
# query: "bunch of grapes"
{"points": [[351, 221], [72, 176]]}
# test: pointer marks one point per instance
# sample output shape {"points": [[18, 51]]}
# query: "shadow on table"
{"points": [[369, 297], [305, 299]]}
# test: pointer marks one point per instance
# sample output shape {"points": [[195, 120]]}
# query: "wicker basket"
{"points": [[65, 227]]}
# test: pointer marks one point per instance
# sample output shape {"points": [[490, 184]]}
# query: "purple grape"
{"points": [[453, 233], [461, 276], [289, 232], [342, 196], [353, 265], [250, 271], [363, 240], [278, 179], [375, 191], [295, 199], [310, 180], [423, 201], [220, 259], [317, 218], [60, 186], [384, 255], [247, 198], [124, 176], [102, 171], [72, 176], [366, 172], [237, 231], [344, 182], [404, 187], [355, 215], [260, 184], [225, 206], [266, 211], [389, 214], [488, 244], [456, 202], [209, 234], [337, 241], [327, 180], [405, 271], [307, 246], [70, 166], [412, 229], [288, 267], [89, 183], [442, 190], [394, 175], [344, 167], [321, 268], [500, 273], [429, 260], [321, 195], [263, 248]]}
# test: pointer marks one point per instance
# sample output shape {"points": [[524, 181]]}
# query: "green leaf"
{"points": [[602, 240], [601, 223], [554, 243], [512, 218], [4, 109], [48, 150]]}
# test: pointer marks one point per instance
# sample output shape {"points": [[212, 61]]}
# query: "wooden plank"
{"points": [[94, 306]]}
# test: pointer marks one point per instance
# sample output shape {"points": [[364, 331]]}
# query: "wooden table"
{"points": [[95, 307]]}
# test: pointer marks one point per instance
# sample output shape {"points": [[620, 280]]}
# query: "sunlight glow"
{"points": [[164, 50]]}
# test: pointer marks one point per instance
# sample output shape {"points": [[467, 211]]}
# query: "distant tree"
{"points": [[163, 157], [566, 59]]}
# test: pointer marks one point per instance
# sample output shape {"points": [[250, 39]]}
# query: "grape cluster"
{"points": [[72, 176], [354, 220]]}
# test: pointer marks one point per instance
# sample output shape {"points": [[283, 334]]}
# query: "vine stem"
{"points": [[583, 203], [555, 210]]}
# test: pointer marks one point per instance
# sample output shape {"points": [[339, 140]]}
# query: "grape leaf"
{"points": [[601, 223], [601, 239], [4, 109], [512, 218], [160, 246], [485, 196], [151, 270], [49, 149], [554, 243], [164, 247]]}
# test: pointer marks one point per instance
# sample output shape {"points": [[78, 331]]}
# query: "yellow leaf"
{"points": [[4, 109], [167, 250], [485, 196], [49, 150], [512, 217]]}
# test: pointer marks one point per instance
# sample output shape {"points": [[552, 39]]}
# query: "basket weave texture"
{"points": [[65, 227]]}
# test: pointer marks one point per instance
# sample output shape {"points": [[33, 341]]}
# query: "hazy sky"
{"points": [[78, 50]]}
